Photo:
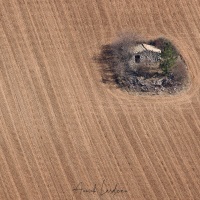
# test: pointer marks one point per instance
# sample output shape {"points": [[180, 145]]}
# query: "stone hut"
{"points": [[144, 53]]}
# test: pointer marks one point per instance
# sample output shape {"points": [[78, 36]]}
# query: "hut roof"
{"points": [[144, 47], [151, 48]]}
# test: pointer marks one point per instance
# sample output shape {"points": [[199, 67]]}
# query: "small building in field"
{"points": [[144, 53]]}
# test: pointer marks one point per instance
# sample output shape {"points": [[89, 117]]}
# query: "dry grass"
{"points": [[60, 125]]}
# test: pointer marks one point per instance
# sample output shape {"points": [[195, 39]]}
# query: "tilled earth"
{"points": [[61, 127]]}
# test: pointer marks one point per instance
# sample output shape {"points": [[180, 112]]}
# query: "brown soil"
{"points": [[60, 125]]}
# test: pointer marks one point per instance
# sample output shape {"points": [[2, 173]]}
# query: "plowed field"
{"points": [[62, 129]]}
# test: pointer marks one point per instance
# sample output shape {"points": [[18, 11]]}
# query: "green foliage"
{"points": [[168, 57]]}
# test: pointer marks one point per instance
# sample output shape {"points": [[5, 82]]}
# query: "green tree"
{"points": [[168, 57]]}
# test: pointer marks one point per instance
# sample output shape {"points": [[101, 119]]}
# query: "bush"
{"points": [[179, 72], [114, 58], [168, 57], [159, 43]]}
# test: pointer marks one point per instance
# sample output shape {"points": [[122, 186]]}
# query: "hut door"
{"points": [[137, 58]]}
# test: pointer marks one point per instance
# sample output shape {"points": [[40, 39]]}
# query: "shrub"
{"points": [[168, 57], [179, 72], [159, 43], [114, 58]]}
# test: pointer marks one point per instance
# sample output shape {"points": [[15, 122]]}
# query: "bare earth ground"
{"points": [[61, 126]]}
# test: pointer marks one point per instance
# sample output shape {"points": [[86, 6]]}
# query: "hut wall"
{"points": [[148, 56]]}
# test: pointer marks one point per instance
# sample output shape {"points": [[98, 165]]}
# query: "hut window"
{"points": [[137, 58]]}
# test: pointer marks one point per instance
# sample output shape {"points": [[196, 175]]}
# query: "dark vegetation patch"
{"points": [[122, 67]]}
